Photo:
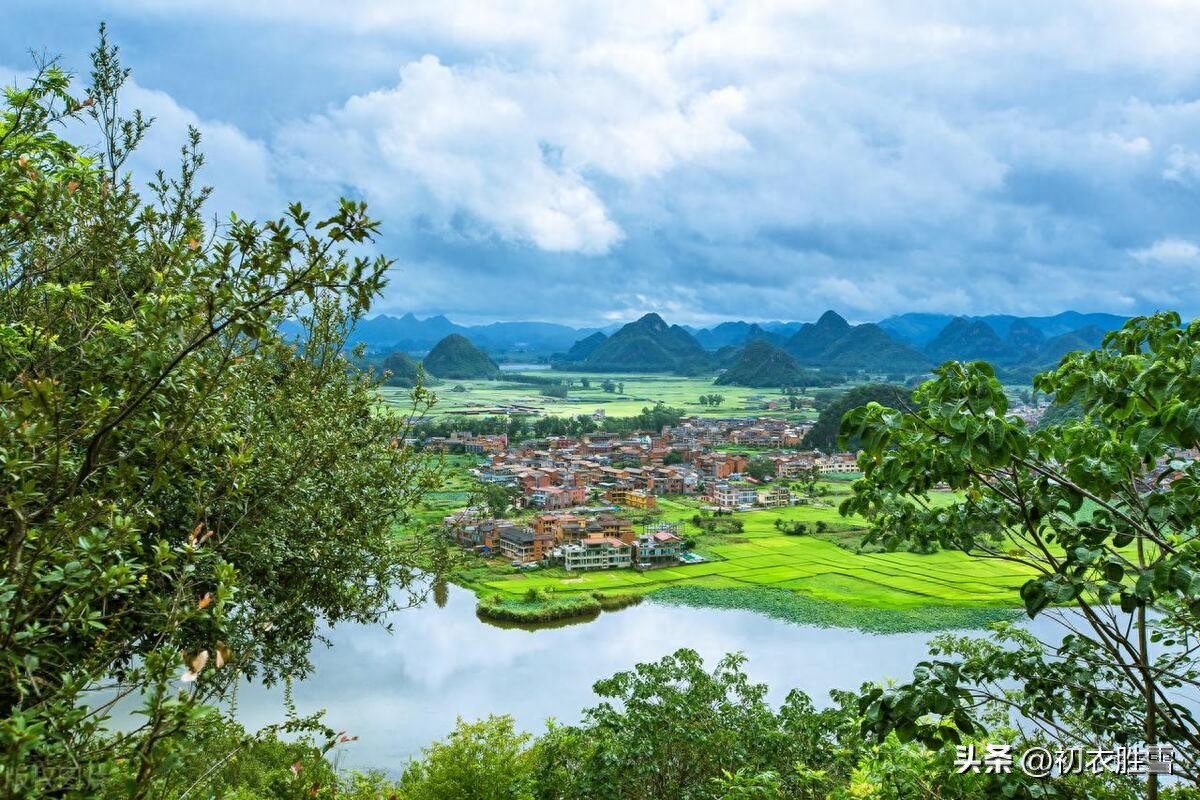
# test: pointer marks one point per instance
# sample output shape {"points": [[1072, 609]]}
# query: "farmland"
{"points": [[640, 390], [808, 578]]}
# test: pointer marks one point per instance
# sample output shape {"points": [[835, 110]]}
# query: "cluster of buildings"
{"points": [[575, 485], [572, 541], [558, 473]]}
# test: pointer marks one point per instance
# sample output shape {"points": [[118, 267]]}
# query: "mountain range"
{"points": [[783, 353]]}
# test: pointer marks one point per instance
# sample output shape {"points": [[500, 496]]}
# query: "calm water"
{"points": [[400, 692]]}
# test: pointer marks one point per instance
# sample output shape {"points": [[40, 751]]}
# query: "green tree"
{"points": [[178, 478], [1085, 506], [760, 468], [486, 760], [496, 498], [672, 728], [608, 386]]}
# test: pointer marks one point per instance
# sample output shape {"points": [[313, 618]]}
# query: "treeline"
{"points": [[673, 728], [517, 428]]}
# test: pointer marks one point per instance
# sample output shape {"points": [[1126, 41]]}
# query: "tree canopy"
{"points": [[1103, 511], [188, 496]]}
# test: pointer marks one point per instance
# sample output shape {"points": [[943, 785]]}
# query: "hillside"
{"points": [[456, 358], [763, 365], [580, 350], [403, 369], [648, 345], [968, 340], [834, 343], [813, 339]]}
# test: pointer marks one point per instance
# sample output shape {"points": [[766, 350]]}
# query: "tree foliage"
{"points": [[1102, 510], [188, 498]]}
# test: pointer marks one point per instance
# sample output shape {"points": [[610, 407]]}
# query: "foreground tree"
{"points": [[1103, 512], [188, 498]]}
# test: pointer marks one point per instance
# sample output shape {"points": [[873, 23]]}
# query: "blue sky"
{"points": [[589, 162]]}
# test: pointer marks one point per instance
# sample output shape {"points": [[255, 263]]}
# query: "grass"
{"points": [[803, 578], [805, 610], [535, 608], [640, 391]]}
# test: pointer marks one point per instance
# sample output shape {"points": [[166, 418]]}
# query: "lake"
{"points": [[400, 692]]}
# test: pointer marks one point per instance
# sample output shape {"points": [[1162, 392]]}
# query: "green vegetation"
{"points": [[759, 555], [671, 728], [455, 358], [536, 606], [405, 372], [803, 609], [631, 392], [761, 364], [824, 433], [1076, 505], [833, 343], [188, 498], [647, 345]]}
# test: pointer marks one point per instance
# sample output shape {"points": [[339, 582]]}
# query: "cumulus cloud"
{"points": [[1168, 251], [710, 159]]}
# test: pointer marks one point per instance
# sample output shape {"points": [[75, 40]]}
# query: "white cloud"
{"points": [[1183, 166], [1168, 251], [771, 157]]}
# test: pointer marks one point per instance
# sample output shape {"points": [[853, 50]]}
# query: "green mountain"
{"points": [[455, 358], [403, 369], [762, 364], [823, 435], [813, 339], [868, 347], [1087, 338], [648, 345], [965, 339], [581, 349]]}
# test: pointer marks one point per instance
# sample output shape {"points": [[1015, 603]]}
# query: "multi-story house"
{"points": [[660, 545], [524, 544], [598, 552], [733, 495]]}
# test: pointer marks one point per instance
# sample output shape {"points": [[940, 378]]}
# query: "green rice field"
{"points": [[763, 558], [640, 391]]}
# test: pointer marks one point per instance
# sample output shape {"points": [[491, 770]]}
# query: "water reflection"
{"points": [[401, 691]]}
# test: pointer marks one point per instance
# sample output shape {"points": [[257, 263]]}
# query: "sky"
{"points": [[588, 162]]}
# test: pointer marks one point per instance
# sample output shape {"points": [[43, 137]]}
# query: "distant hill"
{"points": [[647, 345], [580, 350], [832, 342], [968, 340], [920, 329], [403, 369], [1086, 338], [762, 364], [812, 340], [456, 358], [823, 435]]}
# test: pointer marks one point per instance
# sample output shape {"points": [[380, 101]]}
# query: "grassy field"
{"points": [[640, 391], [762, 558]]}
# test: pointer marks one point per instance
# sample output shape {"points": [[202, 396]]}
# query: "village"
{"points": [[578, 487]]}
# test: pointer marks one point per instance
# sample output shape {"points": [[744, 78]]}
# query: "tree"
{"points": [[1101, 510], [608, 386], [703, 399], [760, 468], [585, 383], [672, 728], [189, 497], [486, 760], [621, 388], [496, 498]]}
